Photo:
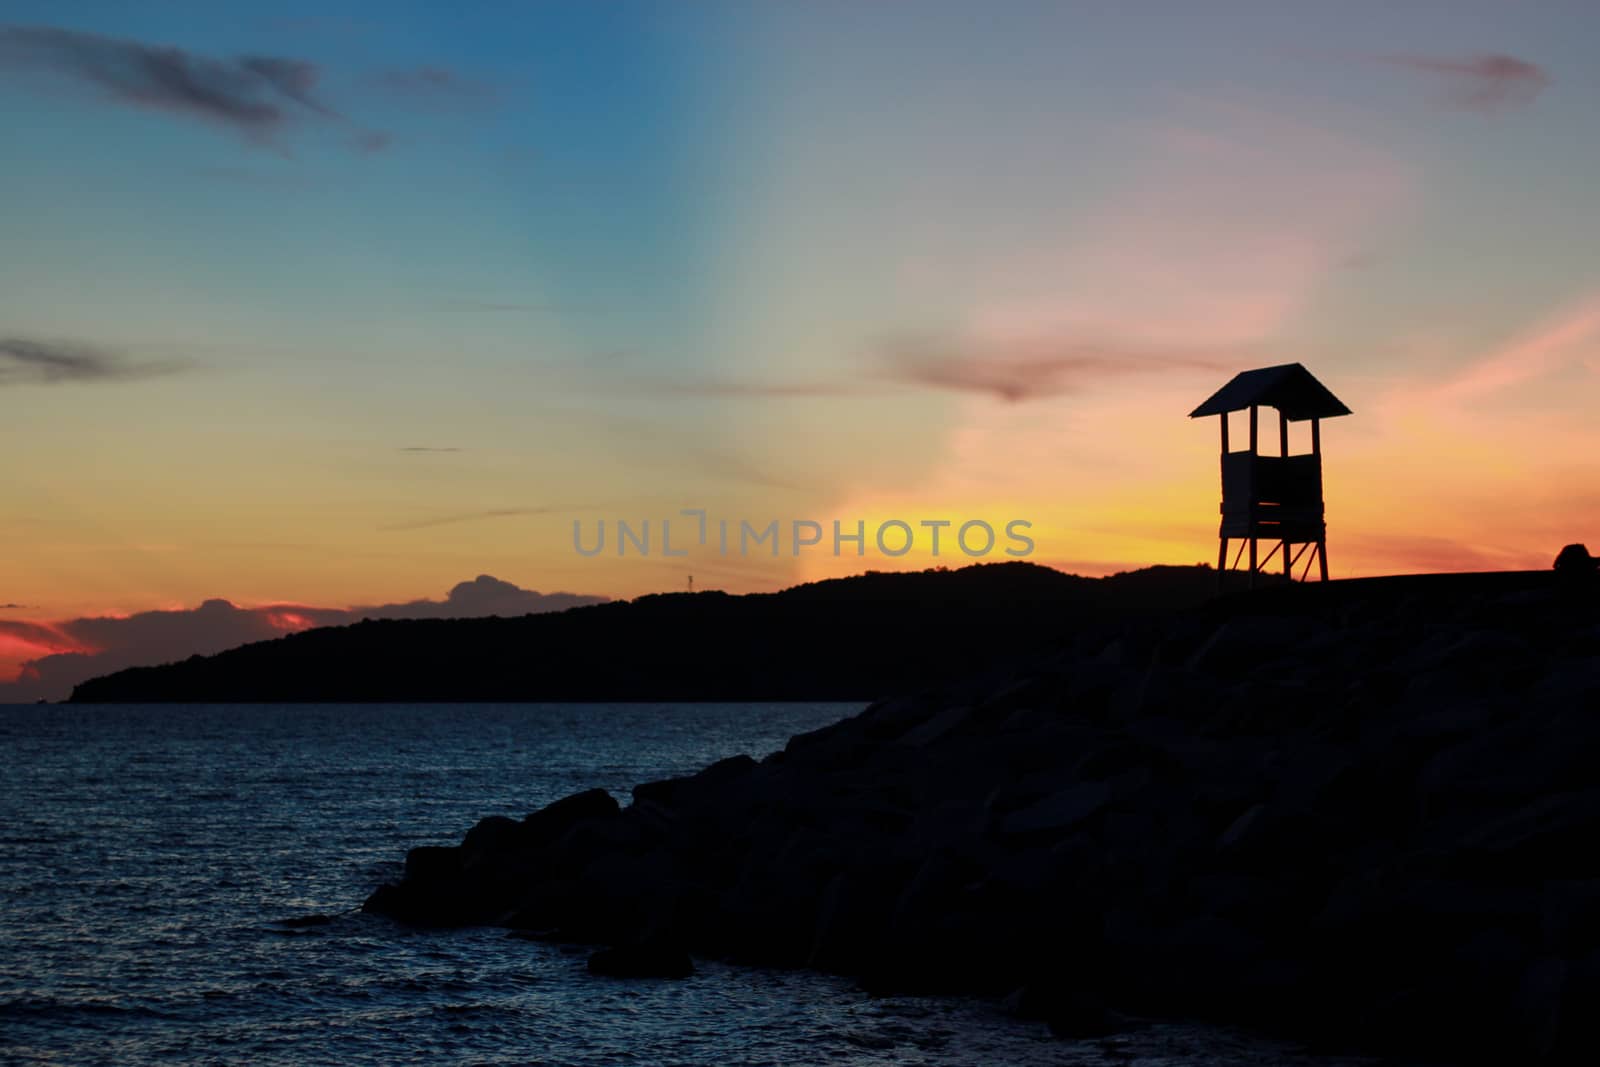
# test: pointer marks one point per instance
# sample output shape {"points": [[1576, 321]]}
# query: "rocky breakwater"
{"points": [[1368, 812]]}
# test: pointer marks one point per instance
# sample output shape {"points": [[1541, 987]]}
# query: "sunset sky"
{"points": [[332, 305]]}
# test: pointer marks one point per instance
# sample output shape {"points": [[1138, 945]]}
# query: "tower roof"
{"points": [[1289, 387]]}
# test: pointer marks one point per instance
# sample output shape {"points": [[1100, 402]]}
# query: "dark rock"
{"points": [[673, 792], [493, 835], [1576, 1040], [1033, 1001], [1059, 813], [1246, 641], [1552, 837], [1538, 1005], [1571, 918], [548, 905], [1249, 827], [552, 821], [642, 961], [852, 913], [1575, 560], [1079, 1016], [934, 729], [1365, 809], [433, 863]]}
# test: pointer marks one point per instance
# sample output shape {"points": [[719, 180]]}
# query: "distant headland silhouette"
{"points": [[840, 639]]}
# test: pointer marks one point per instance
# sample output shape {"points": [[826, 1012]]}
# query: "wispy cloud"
{"points": [[32, 362], [294, 78], [1489, 82], [1027, 370], [1230, 221], [617, 371], [428, 448], [675, 449], [1010, 369], [471, 516], [1566, 343], [735, 466], [1573, 338], [257, 96]]}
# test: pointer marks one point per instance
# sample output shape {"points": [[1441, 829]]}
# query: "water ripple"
{"points": [[158, 865]]}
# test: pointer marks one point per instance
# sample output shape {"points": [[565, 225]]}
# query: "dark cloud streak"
{"points": [[294, 78], [1027, 371], [472, 516], [1013, 371], [29, 362], [1485, 83], [257, 96]]}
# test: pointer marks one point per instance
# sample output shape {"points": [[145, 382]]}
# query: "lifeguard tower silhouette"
{"points": [[1273, 498]]}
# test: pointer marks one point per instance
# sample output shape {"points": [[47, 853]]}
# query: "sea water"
{"points": [[150, 855]]}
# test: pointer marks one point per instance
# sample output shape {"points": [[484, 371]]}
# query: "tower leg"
{"points": [[1322, 558], [1252, 563], [1222, 556], [1288, 567]]}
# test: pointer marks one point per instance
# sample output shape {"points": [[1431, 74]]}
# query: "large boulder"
{"points": [[642, 961], [496, 867], [1574, 560], [554, 820]]}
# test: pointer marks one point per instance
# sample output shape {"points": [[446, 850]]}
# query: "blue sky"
{"points": [[784, 260]]}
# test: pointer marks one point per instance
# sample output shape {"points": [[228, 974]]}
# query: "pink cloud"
{"points": [[1228, 226], [1571, 338], [1489, 82]]}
